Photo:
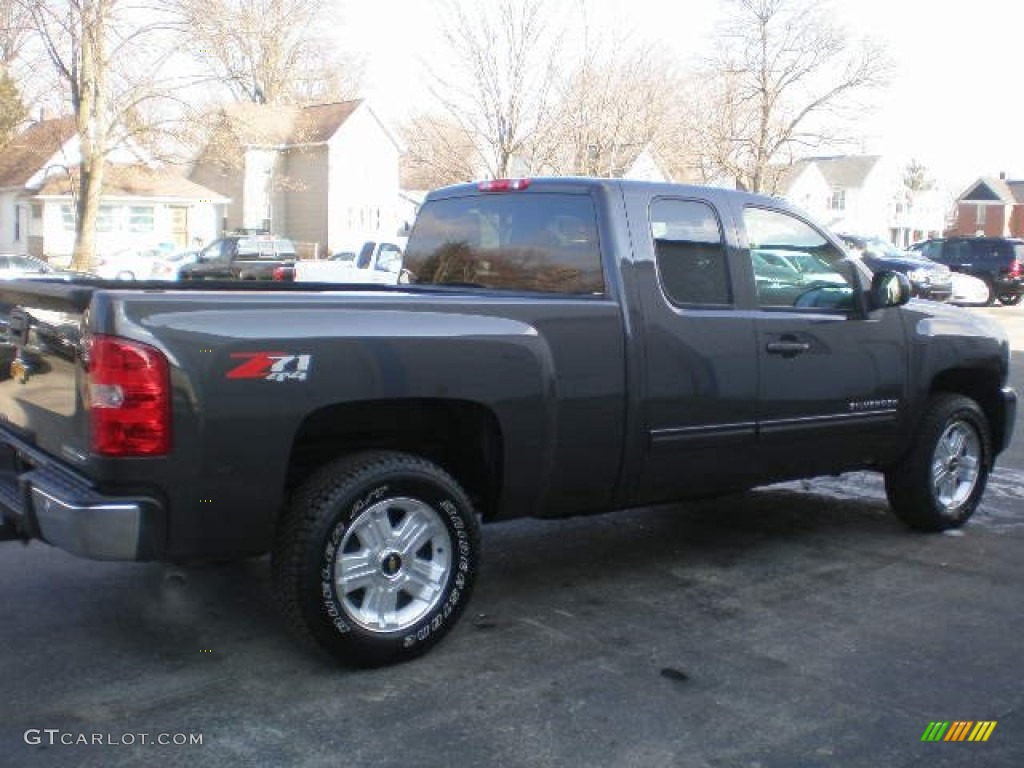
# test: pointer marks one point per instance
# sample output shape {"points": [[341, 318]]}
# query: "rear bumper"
{"points": [[40, 499]]}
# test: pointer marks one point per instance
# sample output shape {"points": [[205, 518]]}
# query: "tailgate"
{"points": [[40, 335]]}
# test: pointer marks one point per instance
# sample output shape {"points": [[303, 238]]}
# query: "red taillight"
{"points": [[1015, 268], [128, 397], [283, 274], [503, 185]]}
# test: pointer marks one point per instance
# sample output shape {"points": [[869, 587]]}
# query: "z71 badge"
{"points": [[271, 366]]}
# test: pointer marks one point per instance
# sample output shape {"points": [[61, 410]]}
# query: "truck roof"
{"points": [[578, 184]]}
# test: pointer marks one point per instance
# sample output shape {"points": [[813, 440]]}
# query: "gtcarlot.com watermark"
{"points": [[53, 737]]}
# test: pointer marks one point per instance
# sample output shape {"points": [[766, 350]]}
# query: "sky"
{"points": [[954, 101]]}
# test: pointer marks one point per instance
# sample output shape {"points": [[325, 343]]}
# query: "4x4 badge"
{"points": [[271, 366]]}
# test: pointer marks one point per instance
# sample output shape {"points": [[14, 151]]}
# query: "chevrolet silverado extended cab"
{"points": [[564, 346]]}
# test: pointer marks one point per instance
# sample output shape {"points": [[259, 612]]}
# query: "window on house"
{"points": [[67, 217], [980, 215], [37, 211], [105, 219], [140, 218], [837, 200]]}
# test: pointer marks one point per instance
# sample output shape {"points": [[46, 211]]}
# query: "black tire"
{"points": [[914, 492], [1009, 300], [358, 497]]}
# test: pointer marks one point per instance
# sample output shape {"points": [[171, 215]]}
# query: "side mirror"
{"points": [[890, 289]]}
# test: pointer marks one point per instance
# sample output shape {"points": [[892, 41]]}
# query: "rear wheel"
{"points": [[1010, 300], [939, 483], [376, 557]]}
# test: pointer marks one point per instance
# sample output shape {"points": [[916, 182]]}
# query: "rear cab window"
{"points": [[521, 241], [690, 253], [264, 247]]}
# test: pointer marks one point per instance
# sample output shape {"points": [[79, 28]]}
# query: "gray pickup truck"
{"points": [[564, 346]]}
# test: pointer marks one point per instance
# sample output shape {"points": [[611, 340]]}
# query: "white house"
{"points": [[805, 186], [863, 195], [141, 206], [314, 174]]}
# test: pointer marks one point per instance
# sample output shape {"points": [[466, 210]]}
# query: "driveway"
{"points": [[799, 625]]}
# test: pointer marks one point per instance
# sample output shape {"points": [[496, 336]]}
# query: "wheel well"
{"points": [[983, 387], [462, 437]]}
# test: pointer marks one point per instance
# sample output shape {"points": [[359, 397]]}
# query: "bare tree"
{"points": [[105, 55], [783, 75], [438, 152], [499, 90], [269, 51], [615, 103], [15, 30], [916, 178], [74, 34]]}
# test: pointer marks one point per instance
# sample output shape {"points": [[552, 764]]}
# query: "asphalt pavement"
{"points": [[799, 625]]}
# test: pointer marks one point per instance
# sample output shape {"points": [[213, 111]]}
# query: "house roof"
{"points": [[992, 189], [845, 171], [28, 151], [135, 181], [789, 174], [262, 124]]}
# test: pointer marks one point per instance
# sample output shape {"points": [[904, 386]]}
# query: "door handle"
{"points": [[787, 348]]}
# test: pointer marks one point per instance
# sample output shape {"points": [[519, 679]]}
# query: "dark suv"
{"points": [[996, 260], [929, 280], [242, 257]]}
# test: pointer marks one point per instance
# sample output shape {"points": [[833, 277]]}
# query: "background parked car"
{"points": [[928, 279], [242, 257], [968, 290], [168, 267], [127, 264], [996, 260], [371, 262], [14, 265]]}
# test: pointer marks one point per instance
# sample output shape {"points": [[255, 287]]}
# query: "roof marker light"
{"points": [[503, 185]]}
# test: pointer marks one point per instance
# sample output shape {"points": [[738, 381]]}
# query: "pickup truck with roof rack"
{"points": [[563, 346]]}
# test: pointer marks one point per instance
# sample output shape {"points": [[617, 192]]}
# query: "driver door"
{"points": [[831, 377]]}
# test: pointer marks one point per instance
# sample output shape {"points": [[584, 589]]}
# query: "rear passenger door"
{"points": [[699, 363], [831, 378]]}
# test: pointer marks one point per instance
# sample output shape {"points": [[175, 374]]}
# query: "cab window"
{"points": [[689, 253], [795, 265], [522, 241]]}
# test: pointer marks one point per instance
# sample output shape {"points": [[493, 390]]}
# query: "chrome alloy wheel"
{"points": [[393, 563], [956, 464]]}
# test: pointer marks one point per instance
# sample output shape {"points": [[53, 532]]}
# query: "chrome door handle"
{"points": [[789, 348]]}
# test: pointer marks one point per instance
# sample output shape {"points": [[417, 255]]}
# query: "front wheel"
{"points": [[1010, 300], [939, 483], [376, 557]]}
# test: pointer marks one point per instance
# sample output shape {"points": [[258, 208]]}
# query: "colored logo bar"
{"points": [[959, 730]]}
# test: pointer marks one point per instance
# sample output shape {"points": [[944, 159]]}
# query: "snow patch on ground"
{"points": [[1002, 507]]}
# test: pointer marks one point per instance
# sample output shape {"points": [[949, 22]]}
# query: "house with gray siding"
{"points": [[316, 174]]}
